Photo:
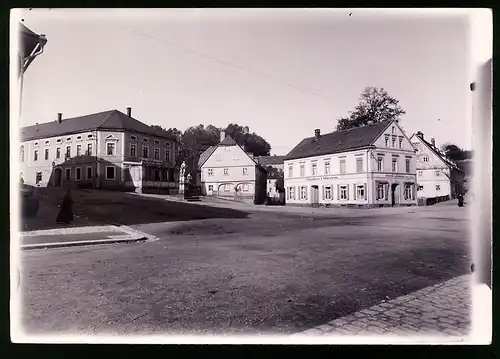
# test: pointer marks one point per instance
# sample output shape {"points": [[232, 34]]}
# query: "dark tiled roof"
{"points": [[206, 155], [228, 141], [338, 141], [107, 120], [270, 160], [439, 154]]}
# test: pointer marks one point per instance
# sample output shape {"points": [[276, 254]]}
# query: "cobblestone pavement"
{"points": [[443, 309]]}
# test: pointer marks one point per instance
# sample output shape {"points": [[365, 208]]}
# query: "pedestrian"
{"points": [[66, 212], [460, 200]]}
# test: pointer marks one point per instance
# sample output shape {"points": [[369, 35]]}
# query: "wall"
{"points": [[163, 144]]}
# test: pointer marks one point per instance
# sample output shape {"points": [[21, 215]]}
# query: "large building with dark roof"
{"points": [[370, 166], [102, 150]]}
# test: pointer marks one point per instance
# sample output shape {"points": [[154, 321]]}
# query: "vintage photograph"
{"points": [[294, 175]]}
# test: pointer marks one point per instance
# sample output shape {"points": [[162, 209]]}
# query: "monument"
{"points": [[182, 180]]}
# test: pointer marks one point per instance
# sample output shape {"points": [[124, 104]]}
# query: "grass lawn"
{"points": [[269, 273], [100, 207]]}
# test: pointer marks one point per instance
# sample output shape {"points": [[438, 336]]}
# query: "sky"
{"points": [[283, 73]]}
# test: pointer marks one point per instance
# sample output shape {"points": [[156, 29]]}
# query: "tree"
{"points": [[374, 105], [455, 153], [280, 182]]}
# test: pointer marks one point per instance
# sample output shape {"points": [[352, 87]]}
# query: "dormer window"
{"points": [[58, 140], [89, 136], [68, 139], [78, 138]]}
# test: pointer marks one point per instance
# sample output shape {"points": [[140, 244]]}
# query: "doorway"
{"points": [[314, 195], [394, 194], [57, 177]]}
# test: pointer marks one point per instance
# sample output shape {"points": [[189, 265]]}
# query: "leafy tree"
{"points": [[280, 182], [376, 105], [455, 153]]}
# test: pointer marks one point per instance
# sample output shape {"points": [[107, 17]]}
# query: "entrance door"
{"points": [[57, 177], [136, 175], [314, 195], [394, 194]]}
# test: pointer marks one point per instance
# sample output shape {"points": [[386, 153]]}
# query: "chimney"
{"points": [[420, 134], [129, 111], [433, 142], [59, 117], [369, 122], [222, 135], [317, 133]]}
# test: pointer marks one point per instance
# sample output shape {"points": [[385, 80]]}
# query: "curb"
{"points": [[81, 243]]}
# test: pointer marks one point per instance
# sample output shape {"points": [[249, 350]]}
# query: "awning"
{"points": [[28, 43]]}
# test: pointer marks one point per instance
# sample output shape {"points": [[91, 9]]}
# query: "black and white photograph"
{"points": [[252, 175]]}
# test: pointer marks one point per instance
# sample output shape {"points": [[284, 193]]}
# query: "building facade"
{"points": [[438, 179], [274, 168], [371, 166], [227, 170], [104, 150]]}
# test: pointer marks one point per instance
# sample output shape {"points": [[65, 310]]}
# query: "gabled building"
{"points": [[274, 168], [102, 150], [227, 170], [370, 166], [438, 178]]}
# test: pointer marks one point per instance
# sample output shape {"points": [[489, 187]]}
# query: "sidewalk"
{"points": [[80, 236], [440, 310]]}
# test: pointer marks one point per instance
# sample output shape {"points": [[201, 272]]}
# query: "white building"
{"points": [[438, 179], [101, 150], [370, 166], [274, 168], [228, 171]]}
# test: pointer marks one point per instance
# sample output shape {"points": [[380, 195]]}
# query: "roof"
{"points": [[228, 141], [338, 141], [107, 120], [270, 160], [272, 172], [206, 155], [438, 153]]}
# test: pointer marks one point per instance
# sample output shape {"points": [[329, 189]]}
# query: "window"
{"points": [[68, 139], [226, 187], [46, 154], [210, 187], [437, 173], [133, 150], [425, 159], [394, 142], [302, 170], [47, 142], [21, 154], [438, 187], [210, 172], [343, 192], [328, 192], [290, 171], [314, 168], [68, 152], [420, 173], [227, 149], [38, 177], [78, 174], [89, 136], [394, 165], [380, 164], [89, 149], [393, 130], [420, 188], [218, 158], [110, 172], [327, 167], [359, 165], [408, 193], [245, 171], [226, 171], [157, 142], [133, 138], [110, 148], [167, 155], [145, 140], [78, 138], [303, 193], [89, 173], [408, 166], [35, 155], [68, 174], [291, 193], [380, 191], [401, 142], [157, 153], [145, 151], [58, 140], [386, 141], [58, 152], [236, 158], [342, 166], [78, 150], [157, 175], [245, 187], [36, 143], [360, 191]]}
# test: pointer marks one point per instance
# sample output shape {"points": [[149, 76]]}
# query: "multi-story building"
{"points": [[227, 170], [274, 168], [438, 179], [370, 166], [102, 150]]}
